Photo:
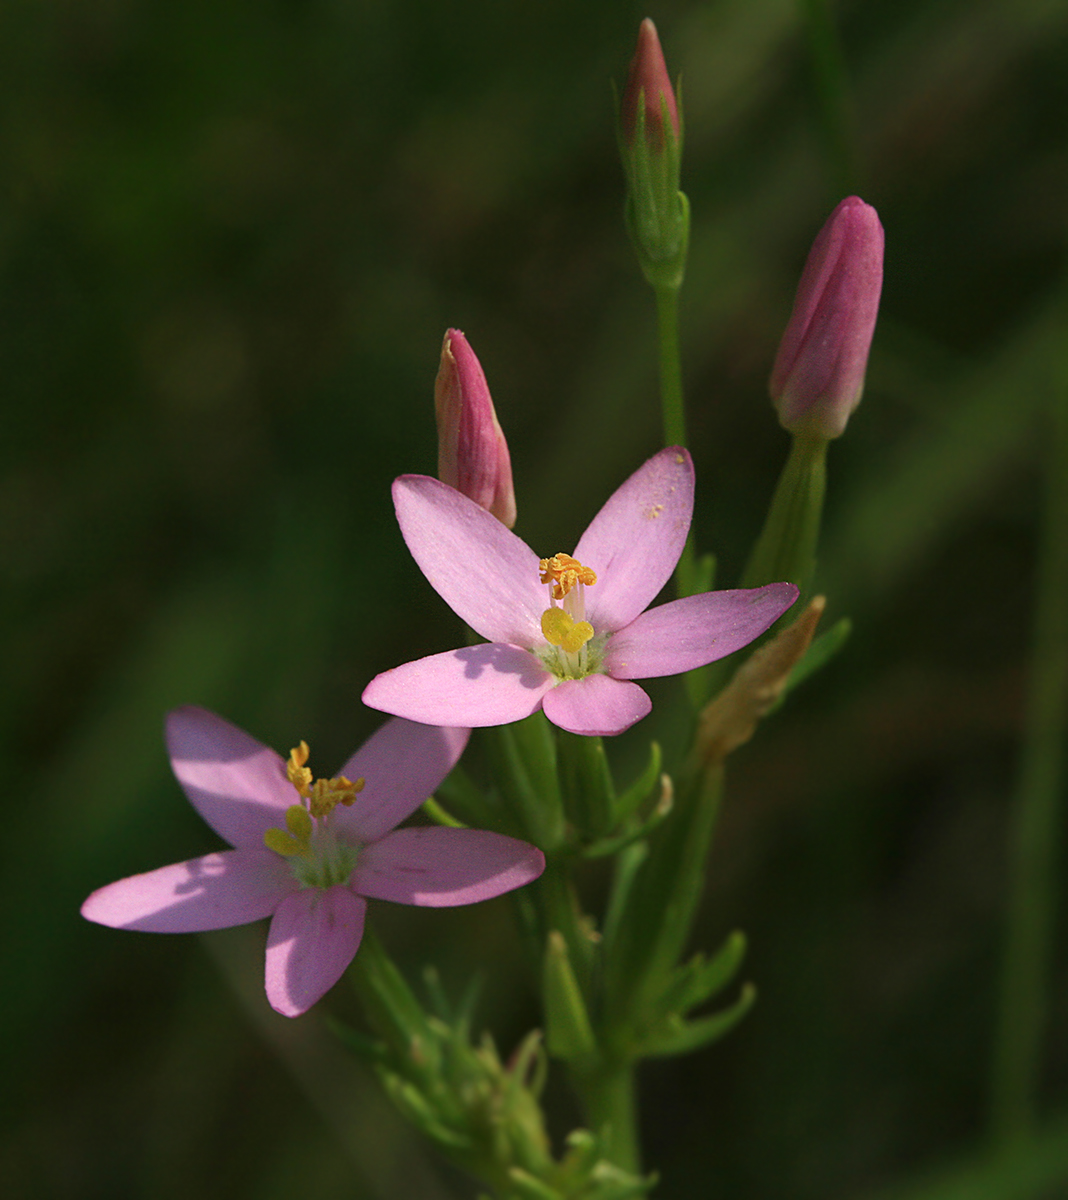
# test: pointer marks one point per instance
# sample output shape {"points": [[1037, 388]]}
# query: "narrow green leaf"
{"points": [[684, 1037], [700, 979], [626, 871], [568, 1033], [370, 1049], [614, 845], [641, 789], [413, 1104]]}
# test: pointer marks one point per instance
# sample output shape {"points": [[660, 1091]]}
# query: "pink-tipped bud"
{"points": [[818, 376], [648, 86], [472, 451]]}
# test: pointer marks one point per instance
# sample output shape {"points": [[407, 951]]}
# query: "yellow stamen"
{"points": [[561, 629], [564, 572], [327, 794], [296, 772], [322, 795]]}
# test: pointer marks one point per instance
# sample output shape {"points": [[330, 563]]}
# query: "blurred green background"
{"points": [[231, 238]]}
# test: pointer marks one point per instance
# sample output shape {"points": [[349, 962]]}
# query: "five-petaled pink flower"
{"points": [[307, 852], [568, 634]]}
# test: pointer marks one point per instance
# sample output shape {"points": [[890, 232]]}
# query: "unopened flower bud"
{"points": [[818, 376], [472, 451], [650, 144], [648, 87]]}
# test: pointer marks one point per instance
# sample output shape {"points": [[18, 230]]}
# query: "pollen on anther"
{"points": [[563, 572], [297, 773]]}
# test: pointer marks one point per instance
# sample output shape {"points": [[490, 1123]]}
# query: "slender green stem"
{"points": [[1029, 943], [610, 1101], [673, 405], [667, 327], [556, 897], [786, 548]]}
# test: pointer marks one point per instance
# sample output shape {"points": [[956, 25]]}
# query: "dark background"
{"points": [[232, 235]]}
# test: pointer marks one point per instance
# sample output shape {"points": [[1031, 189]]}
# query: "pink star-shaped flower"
{"points": [[569, 634], [315, 889]]}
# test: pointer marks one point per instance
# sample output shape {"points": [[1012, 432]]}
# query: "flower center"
{"points": [[569, 654], [317, 857]]}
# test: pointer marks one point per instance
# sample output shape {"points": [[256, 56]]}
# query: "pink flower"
{"points": [[648, 86], [472, 451], [818, 376], [307, 853], [565, 634]]}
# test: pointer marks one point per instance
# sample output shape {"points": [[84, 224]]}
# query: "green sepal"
{"points": [[582, 1151], [677, 1036], [568, 1033], [610, 1182], [413, 1104], [525, 770], [662, 269], [700, 978], [657, 212], [614, 845], [456, 1017], [528, 1065], [528, 1188], [589, 793], [633, 797]]}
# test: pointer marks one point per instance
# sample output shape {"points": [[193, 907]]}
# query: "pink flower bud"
{"points": [[472, 452], [648, 84], [818, 375]]}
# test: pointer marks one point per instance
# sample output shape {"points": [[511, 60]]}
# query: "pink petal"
{"points": [[213, 892], [597, 705], [635, 540], [479, 568], [401, 764], [696, 630], [439, 867], [313, 938], [237, 784], [488, 684]]}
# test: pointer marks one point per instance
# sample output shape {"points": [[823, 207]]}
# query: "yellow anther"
{"points": [[296, 772], [563, 572], [283, 843], [560, 629], [322, 795], [327, 794]]}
